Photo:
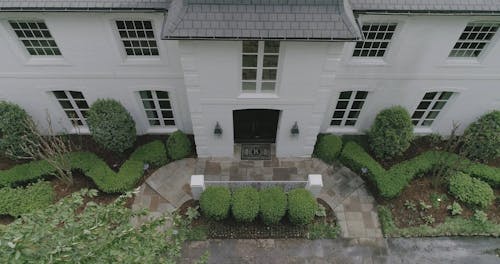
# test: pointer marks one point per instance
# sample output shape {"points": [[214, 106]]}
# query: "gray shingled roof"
{"points": [[27, 5], [260, 19], [427, 5]]}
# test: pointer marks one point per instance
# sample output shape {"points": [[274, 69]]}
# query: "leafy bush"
{"points": [[22, 200], [153, 153], [455, 209], [13, 129], [301, 206], [358, 160], [111, 125], [482, 138], [323, 231], [471, 191], [245, 204], [272, 205], [215, 202], [480, 217], [178, 145], [391, 133], [64, 233], [328, 148]]}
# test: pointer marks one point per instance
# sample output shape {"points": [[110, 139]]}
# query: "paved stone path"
{"points": [[168, 187]]}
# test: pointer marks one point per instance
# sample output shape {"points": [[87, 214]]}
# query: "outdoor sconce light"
{"points": [[217, 129], [295, 129]]}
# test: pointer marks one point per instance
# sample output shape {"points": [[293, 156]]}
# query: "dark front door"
{"points": [[255, 125]]}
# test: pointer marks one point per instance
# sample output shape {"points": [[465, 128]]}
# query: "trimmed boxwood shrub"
{"points": [[301, 207], [482, 138], [153, 153], [328, 148], [111, 125], [391, 133], [245, 204], [471, 191], [215, 202], [22, 200], [13, 129], [178, 145], [272, 205]]}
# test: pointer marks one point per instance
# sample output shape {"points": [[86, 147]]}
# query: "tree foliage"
{"points": [[63, 233]]}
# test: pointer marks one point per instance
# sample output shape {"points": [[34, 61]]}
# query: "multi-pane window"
{"points": [[158, 108], [35, 37], [429, 108], [474, 39], [377, 39], [348, 108], [138, 38], [260, 66], [74, 105]]}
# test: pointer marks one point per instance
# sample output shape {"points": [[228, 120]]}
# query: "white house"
{"points": [[257, 68]]}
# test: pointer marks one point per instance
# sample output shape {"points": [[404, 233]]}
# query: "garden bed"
{"points": [[231, 229]]}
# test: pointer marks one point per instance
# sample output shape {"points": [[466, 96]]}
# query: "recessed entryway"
{"points": [[255, 125]]}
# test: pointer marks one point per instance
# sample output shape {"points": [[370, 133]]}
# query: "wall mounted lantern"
{"points": [[217, 129], [295, 129]]}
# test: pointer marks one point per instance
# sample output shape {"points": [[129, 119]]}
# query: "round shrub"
{"points": [[391, 133], [482, 138], [470, 190], [272, 205], [111, 125], [328, 148], [245, 205], [301, 207], [178, 145], [215, 202], [14, 129]]}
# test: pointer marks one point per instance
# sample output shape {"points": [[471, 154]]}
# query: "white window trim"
{"points": [[149, 129], [126, 60], [348, 109], [75, 108], [425, 129], [19, 49], [260, 67]]}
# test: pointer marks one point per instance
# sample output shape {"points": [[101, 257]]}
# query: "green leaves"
{"points": [[273, 204], [215, 202], [245, 204], [482, 138], [301, 206], [98, 234], [13, 129], [22, 200], [178, 145], [328, 148], [471, 191]]}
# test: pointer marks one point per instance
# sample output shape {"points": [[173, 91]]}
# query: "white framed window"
{"points": [[35, 37], [137, 37], [348, 108], [429, 108], [158, 108], [259, 66], [378, 36], [474, 39], [74, 105]]}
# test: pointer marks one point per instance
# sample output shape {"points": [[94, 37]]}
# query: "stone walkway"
{"points": [[168, 187]]}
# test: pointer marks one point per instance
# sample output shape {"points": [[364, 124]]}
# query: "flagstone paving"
{"points": [[345, 192]]}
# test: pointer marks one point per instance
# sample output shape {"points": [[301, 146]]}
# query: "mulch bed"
{"points": [[230, 229]]}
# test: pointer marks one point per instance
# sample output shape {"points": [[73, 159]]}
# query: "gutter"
{"points": [[82, 9], [428, 12]]}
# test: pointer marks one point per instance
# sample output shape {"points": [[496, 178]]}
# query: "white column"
{"points": [[314, 184], [197, 185]]}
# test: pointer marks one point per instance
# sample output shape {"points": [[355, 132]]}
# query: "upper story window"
{"points": [[348, 108], [158, 108], [138, 37], [474, 39], [378, 36], [260, 66], [429, 108], [35, 37], [74, 105]]}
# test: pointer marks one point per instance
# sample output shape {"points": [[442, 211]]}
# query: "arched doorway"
{"points": [[255, 125]]}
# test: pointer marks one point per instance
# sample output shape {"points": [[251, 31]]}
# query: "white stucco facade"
{"points": [[203, 78]]}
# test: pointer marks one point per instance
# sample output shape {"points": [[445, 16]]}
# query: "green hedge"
{"points": [[301, 206], [391, 182], [482, 137], [328, 148], [22, 200], [272, 205], [471, 191], [245, 204], [91, 165], [178, 145], [215, 202]]}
